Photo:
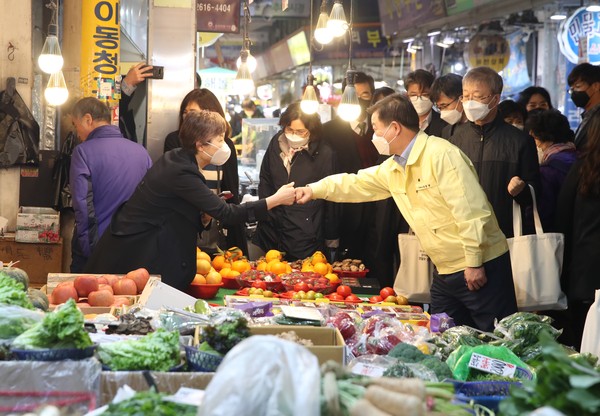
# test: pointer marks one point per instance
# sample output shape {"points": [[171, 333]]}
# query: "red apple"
{"points": [[119, 301], [110, 278], [140, 277], [63, 293], [125, 286], [102, 280], [101, 298], [106, 287], [85, 285]]}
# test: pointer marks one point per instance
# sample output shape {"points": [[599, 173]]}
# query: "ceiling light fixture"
{"points": [[243, 83], [51, 60], [322, 33], [349, 108], [56, 92], [310, 102], [593, 8], [337, 20]]}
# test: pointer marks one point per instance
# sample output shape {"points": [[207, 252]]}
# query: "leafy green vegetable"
{"points": [[226, 330], [407, 353], [399, 370], [62, 328], [157, 351], [454, 337], [14, 320], [149, 403], [570, 385], [13, 292], [440, 368]]}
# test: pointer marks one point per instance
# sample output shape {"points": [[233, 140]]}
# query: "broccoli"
{"points": [[407, 353], [440, 368], [399, 370], [226, 334]]}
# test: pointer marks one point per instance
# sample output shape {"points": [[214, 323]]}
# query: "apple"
{"points": [[140, 277], [387, 291], [85, 284], [119, 301], [106, 287], [101, 298], [110, 278], [125, 286], [63, 293], [102, 280]]}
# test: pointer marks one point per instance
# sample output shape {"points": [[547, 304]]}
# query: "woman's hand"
{"points": [[286, 195]]}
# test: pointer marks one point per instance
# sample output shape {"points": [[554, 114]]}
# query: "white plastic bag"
{"points": [[264, 376], [591, 331]]}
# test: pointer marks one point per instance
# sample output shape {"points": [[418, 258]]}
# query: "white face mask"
{"points": [[451, 116], [519, 126], [475, 111], [421, 104], [221, 155], [381, 144], [540, 154], [296, 141]]}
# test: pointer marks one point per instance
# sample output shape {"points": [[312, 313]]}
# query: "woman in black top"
{"points": [[157, 227]]}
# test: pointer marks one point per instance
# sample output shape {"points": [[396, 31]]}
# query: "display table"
{"points": [[37, 259]]}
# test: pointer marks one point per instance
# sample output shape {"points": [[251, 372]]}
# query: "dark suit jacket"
{"points": [[157, 227], [436, 125]]}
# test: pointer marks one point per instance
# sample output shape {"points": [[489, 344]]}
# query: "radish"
{"points": [[412, 386], [364, 407], [398, 404]]}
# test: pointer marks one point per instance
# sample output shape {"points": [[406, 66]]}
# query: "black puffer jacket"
{"points": [[500, 151], [298, 230]]}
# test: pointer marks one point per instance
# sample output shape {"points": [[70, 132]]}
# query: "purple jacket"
{"points": [[553, 172], [105, 170]]}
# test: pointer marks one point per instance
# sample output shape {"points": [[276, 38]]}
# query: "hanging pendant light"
{"points": [[349, 108], [337, 20], [243, 83], [250, 61], [51, 60], [310, 102], [56, 92], [322, 33]]}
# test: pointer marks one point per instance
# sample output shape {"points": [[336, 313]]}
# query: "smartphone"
{"points": [[226, 195]]}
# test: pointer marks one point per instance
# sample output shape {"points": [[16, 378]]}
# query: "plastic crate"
{"points": [[57, 354], [201, 360], [485, 393]]}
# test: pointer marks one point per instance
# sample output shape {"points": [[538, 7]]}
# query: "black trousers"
{"points": [[495, 300]]}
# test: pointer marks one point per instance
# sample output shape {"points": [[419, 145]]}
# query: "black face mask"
{"points": [[364, 104], [580, 98]]}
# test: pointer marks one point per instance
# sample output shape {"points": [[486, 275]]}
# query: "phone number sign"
{"points": [[221, 16], [581, 25]]}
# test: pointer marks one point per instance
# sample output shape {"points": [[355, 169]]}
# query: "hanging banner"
{"points": [[368, 41], [218, 16], [515, 75], [100, 47], [576, 30], [488, 50]]}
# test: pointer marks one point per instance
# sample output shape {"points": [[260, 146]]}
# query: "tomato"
{"points": [[301, 287], [387, 291], [259, 284], [336, 298], [375, 299], [352, 298], [344, 291]]}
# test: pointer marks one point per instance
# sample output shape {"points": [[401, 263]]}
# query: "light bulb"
{"points": [[56, 92], [593, 8], [251, 61], [337, 20], [349, 108], [51, 60], [322, 33], [243, 83], [309, 103], [558, 16]]}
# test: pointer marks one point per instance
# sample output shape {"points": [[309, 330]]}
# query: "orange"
{"points": [[321, 268], [202, 255], [318, 257], [307, 267], [233, 273], [273, 255], [213, 278], [261, 266], [240, 266], [225, 272], [218, 262], [333, 278], [278, 267], [199, 280], [203, 266]]}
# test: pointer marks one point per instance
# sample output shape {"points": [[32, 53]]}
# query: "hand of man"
{"points": [[138, 73], [475, 278], [515, 186], [303, 194], [286, 194]]}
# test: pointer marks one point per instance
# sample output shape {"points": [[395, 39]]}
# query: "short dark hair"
{"points": [[206, 100], [485, 75], [449, 84], [360, 78], [98, 110], [311, 121], [381, 93], [422, 78], [396, 107], [200, 127], [527, 93], [507, 108], [549, 126], [248, 104], [585, 72]]}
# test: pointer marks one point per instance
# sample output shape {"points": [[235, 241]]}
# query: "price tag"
{"points": [[368, 370], [492, 365]]}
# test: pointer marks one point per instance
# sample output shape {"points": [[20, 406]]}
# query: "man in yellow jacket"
{"points": [[437, 191]]}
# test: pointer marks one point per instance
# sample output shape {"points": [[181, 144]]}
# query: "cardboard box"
{"points": [[158, 294], [328, 342], [37, 225]]}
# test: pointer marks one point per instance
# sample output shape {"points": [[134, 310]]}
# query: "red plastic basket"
{"points": [[26, 401], [342, 273]]}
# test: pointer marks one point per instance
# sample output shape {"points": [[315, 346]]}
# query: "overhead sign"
{"points": [[488, 50], [368, 41], [218, 16], [399, 15], [581, 25], [100, 46], [458, 6]]}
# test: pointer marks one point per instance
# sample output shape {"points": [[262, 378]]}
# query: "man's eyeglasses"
{"points": [[442, 107], [299, 132], [477, 98]]}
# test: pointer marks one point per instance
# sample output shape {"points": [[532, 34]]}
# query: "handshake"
{"points": [[288, 195]]}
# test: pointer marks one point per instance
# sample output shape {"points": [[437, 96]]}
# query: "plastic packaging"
{"points": [[458, 361], [14, 320], [265, 375], [440, 322]]}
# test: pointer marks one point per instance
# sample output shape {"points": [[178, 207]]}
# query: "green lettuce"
{"points": [[62, 328], [13, 292]]}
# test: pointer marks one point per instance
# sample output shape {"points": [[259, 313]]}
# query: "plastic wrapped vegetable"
{"points": [[13, 292], [14, 320], [459, 360], [227, 328]]}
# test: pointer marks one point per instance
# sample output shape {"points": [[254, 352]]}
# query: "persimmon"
{"points": [[218, 262], [273, 255]]}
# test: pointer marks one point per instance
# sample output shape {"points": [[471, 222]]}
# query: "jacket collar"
{"points": [[489, 127], [416, 151], [106, 131]]}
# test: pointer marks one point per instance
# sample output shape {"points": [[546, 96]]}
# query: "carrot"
{"points": [[364, 407], [412, 386], [397, 404]]}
